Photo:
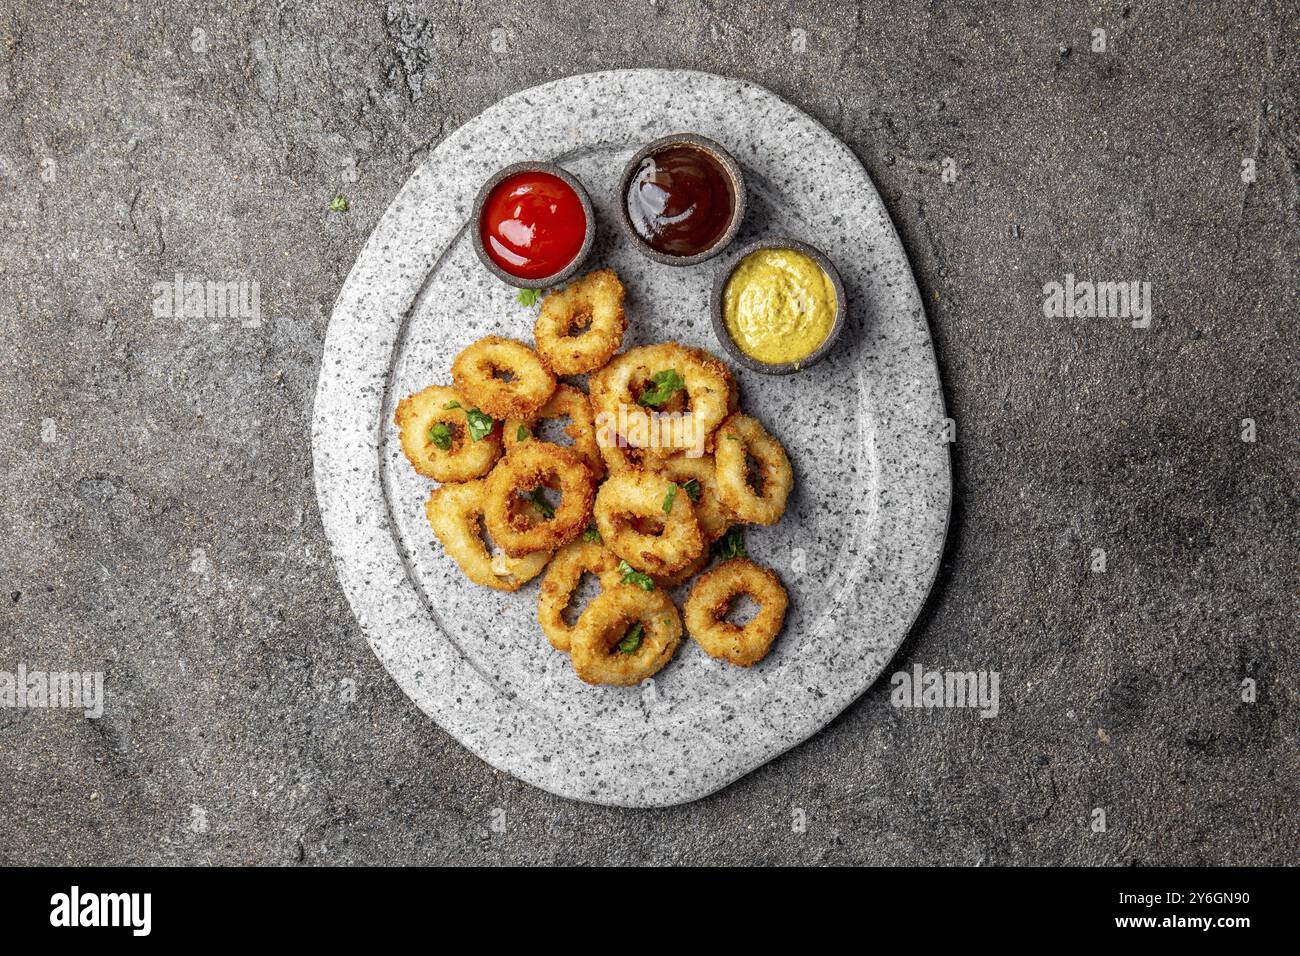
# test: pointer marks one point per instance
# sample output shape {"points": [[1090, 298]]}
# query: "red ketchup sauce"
{"points": [[533, 224], [680, 201]]}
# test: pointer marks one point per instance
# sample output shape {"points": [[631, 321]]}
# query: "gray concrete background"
{"points": [[159, 520]]}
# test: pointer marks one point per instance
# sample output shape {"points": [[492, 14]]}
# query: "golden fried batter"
{"points": [[526, 470], [567, 402], [453, 511], [562, 577], [477, 370], [713, 517], [624, 636], [638, 395], [579, 328], [739, 438], [631, 516], [712, 595], [443, 409]]}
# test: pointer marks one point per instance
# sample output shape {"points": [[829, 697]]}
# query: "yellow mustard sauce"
{"points": [[778, 305]]}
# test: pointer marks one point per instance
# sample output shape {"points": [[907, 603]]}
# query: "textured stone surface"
{"points": [[168, 533], [862, 535]]}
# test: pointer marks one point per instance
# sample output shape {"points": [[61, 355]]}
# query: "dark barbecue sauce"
{"points": [[680, 201]]}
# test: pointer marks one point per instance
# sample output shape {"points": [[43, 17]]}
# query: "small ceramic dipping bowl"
{"points": [[724, 163], [720, 324], [562, 274]]}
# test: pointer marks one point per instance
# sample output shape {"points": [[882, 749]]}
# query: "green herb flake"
{"points": [[591, 534], [632, 576], [732, 545], [450, 405], [339, 204], [693, 489], [631, 642], [528, 297], [480, 424], [440, 435], [669, 499], [521, 433], [541, 504], [665, 385]]}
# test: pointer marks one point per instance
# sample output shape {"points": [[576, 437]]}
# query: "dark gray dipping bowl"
{"points": [[729, 165], [585, 250], [720, 325]]}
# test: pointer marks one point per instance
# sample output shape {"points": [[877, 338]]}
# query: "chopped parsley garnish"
{"points": [[480, 424], [452, 404], [632, 576], [591, 534], [339, 204], [692, 489], [632, 639], [666, 384], [732, 545], [541, 504], [521, 433], [528, 297], [440, 435], [669, 499]]}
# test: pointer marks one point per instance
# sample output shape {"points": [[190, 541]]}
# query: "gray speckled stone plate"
{"points": [[859, 544]]}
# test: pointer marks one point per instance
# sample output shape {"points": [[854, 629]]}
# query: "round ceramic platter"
{"points": [[862, 535]]}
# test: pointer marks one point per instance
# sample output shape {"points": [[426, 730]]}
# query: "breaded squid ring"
{"points": [[741, 436], [628, 502], [713, 517], [580, 328], [465, 459], [522, 396], [562, 576], [528, 468], [567, 402], [608, 620], [712, 595], [616, 392], [453, 511]]}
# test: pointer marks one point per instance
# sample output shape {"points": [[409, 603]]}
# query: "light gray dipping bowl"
{"points": [[720, 325], [584, 251]]}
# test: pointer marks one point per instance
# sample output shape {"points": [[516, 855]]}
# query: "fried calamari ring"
{"points": [[580, 328], [739, 439], [453, 511], [463, 459], [631, 517], [527, 469], [714, 519], [623, 391], [713, 594], [567, 402], [476, 371], [624, 636], [562, 577]]}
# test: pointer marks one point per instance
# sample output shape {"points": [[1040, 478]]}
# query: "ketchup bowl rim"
{"points": [[729, 166], [716, 311], [588, 239]]}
